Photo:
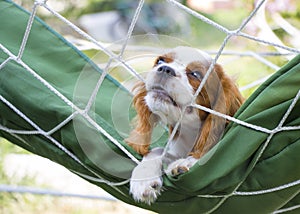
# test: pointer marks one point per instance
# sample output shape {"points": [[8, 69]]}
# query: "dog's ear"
{"points": [[227, 100], [231, 96], [140, 138]]}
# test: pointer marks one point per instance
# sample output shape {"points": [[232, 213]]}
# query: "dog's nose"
{"points": [[166, 70]]}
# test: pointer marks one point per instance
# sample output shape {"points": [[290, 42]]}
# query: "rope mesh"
{"points": [[119, 58]]}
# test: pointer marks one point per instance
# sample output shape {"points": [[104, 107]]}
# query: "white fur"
{"points": [[183, 162], [145, 175], [149, 173], [146, 181], [177, 87], [185, 55]]}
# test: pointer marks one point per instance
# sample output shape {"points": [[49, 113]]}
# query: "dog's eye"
{"points": [[160, 61], [195, 74]]}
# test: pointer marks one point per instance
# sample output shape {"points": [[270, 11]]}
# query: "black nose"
{"points": [[166, 70]]}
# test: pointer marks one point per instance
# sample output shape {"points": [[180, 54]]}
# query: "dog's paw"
{"points": [[146, 191], [146, 181], [179, 170], [181, 166]]}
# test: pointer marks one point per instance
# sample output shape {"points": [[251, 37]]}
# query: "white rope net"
{"points": [[282, 50]]}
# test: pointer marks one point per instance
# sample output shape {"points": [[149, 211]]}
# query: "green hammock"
{"points": [[249, 171]]}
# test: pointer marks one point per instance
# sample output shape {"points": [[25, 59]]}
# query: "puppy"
{"points": [[168, 95]]}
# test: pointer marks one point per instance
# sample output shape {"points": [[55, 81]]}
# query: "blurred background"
{"points": [[108, 20], [160, 25], [163, 25]]}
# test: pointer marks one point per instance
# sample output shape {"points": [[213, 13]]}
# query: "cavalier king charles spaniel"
{"points": [[168, 96]]}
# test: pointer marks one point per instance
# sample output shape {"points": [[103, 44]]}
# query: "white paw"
{"points": [[146, 181], [146, 191], [181, 166]]}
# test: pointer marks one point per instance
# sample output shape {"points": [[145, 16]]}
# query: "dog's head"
{"points": [[169, 92], [173, 81]]}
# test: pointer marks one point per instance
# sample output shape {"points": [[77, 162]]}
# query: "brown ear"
{"points": [[228, 100], [232, 98], [140, 138], [211, 131]]}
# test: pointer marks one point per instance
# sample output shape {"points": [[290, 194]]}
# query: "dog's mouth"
{"points": [[161, 94]]}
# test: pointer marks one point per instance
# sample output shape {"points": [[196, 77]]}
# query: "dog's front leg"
{"points": [[146, 179]]}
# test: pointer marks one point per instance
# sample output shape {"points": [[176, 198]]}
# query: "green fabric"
{"points": [[232, 161]]}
